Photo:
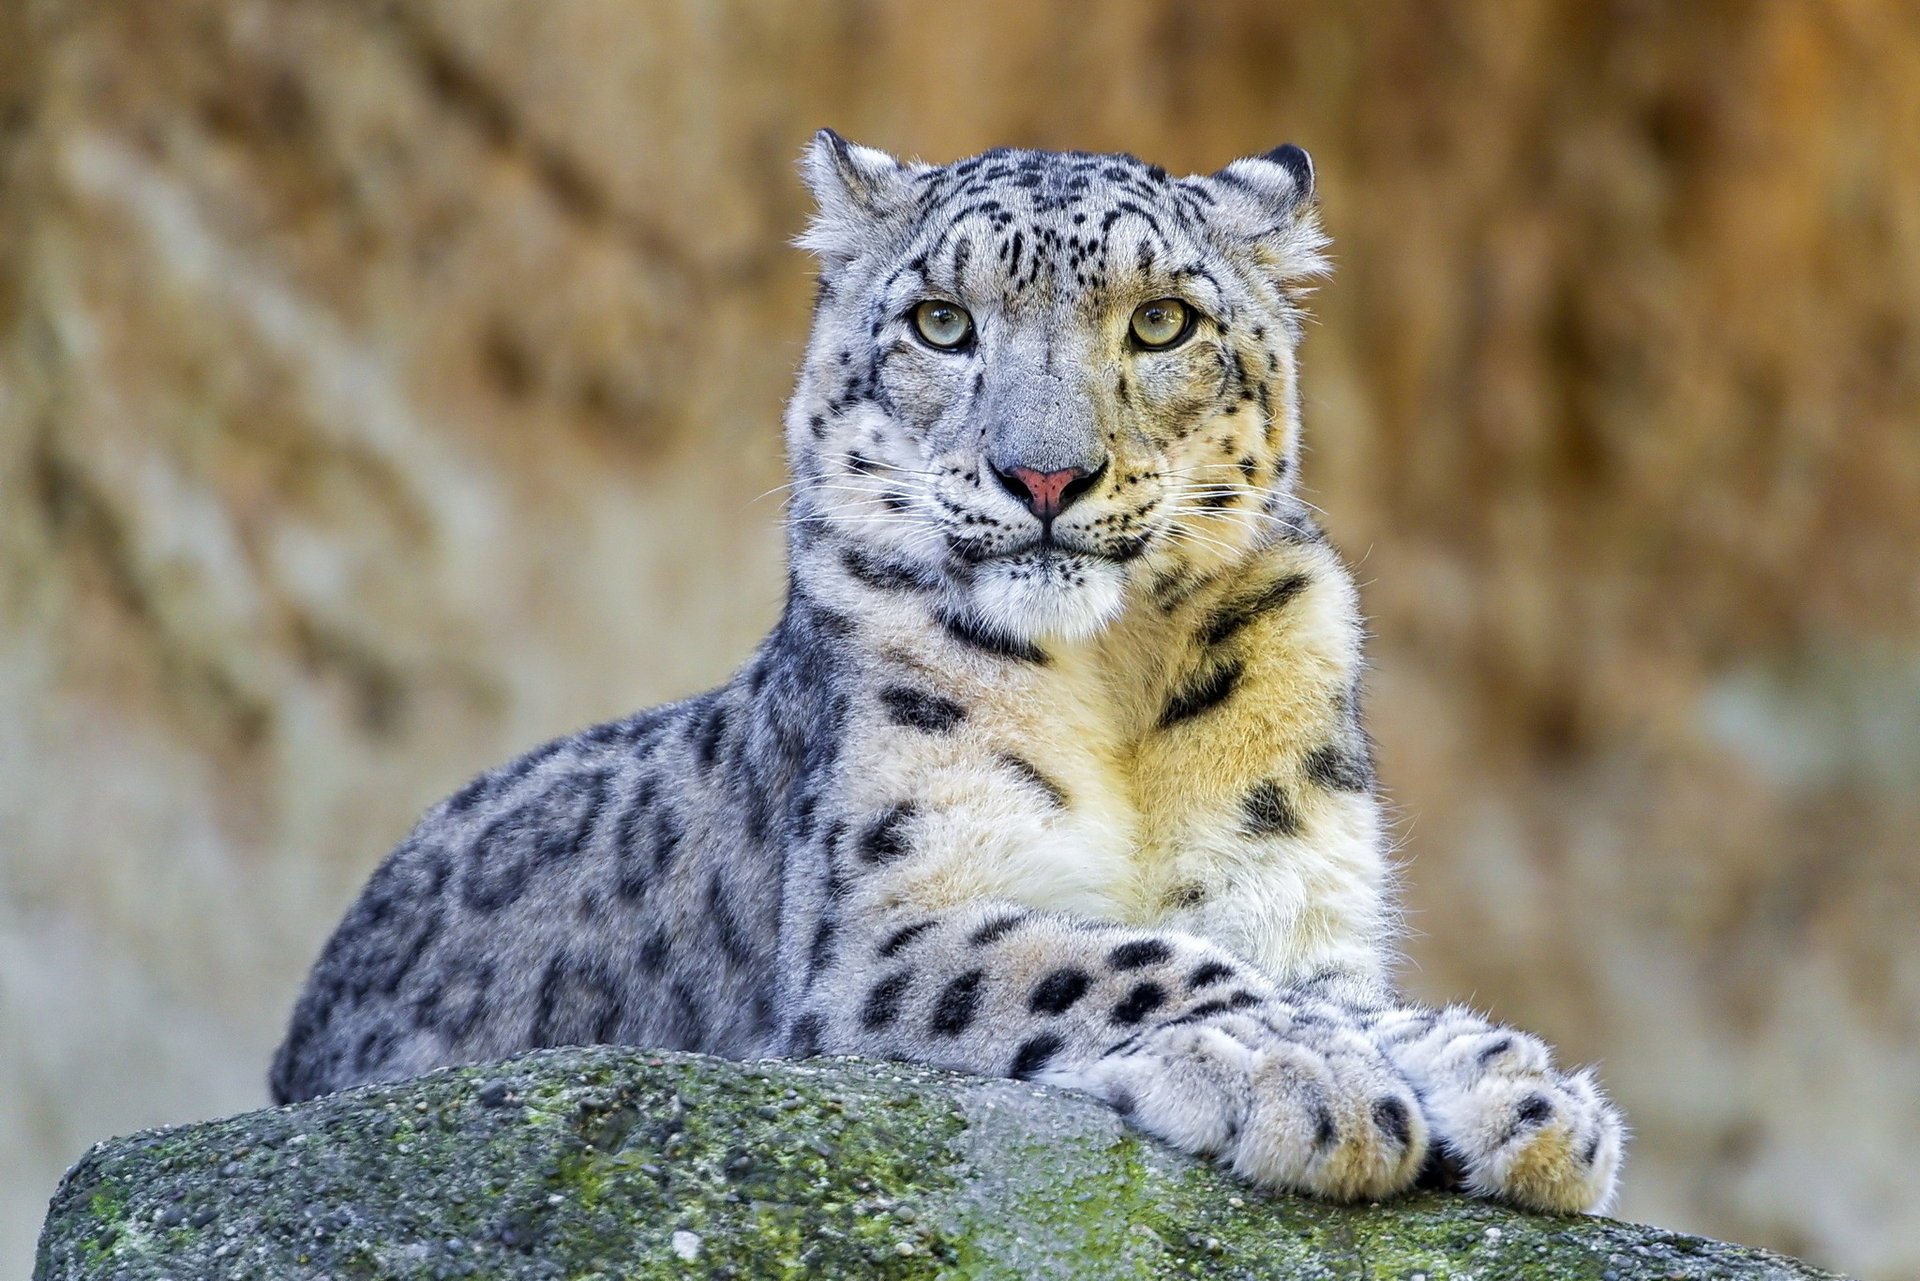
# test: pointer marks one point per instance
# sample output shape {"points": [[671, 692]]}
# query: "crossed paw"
{"points": [[1308, 1099]]}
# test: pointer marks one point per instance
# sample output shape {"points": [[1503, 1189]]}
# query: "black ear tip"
{"points": [[1297, 162], [830, 137]]}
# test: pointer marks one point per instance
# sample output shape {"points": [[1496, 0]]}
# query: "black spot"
{"points": [[884, 840], [373, 1049], [918, 709], [1026, 769], [1269, 812], [653, 953], [499, 864], [667, 833], [709, 732], [458, 999], [1058, 991], [1341, 770], [579, 1003], [1391, 1118], [1203, 693], [883, 1002], [1122, 1101], [993, 930], [1208, 972], [882, 574], [903, 936], [1324, 1130], [1494, 1051], [976, 635], [1131, 956], [729, 930], [1035, 1053], [688, 1027], [803, 1042], [822, 946], [1236, 614], [1592, 1151], [959, 1001], [1204, 1010], [491, 784], [1535, 1109], [1143, 1000]]}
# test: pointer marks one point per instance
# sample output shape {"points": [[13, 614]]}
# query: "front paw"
{"points": [[1513, 1126], [1296, 1106]]}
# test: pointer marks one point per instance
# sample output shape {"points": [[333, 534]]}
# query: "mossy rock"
{"points": [[605, 1163]]}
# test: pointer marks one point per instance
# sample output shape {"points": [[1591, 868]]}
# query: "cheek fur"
{"points": [[921, 388], [1174, 395]]}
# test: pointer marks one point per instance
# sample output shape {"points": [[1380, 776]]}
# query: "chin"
{"points": [[1055, 595]]}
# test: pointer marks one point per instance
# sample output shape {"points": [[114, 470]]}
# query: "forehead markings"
{"points": [[1027, 245]]}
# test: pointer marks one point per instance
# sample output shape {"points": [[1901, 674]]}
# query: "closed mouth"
{"points": [[1046, 549]]}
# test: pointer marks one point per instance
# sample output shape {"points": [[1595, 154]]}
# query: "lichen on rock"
{"points": [[605, 1162]]}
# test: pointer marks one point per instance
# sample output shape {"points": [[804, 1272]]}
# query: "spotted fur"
{"points": [[1077, 795]]}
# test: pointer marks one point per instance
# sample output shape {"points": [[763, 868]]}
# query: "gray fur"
{"points": [[1085, 800]]}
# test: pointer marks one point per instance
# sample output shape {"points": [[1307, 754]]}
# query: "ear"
{"points": [[855, 190], [1269, 201]]}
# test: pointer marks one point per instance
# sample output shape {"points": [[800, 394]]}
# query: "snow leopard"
{"points": [[1053, 765]]}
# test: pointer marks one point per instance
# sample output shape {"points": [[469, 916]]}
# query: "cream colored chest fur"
{"points": [[1155, 831]]}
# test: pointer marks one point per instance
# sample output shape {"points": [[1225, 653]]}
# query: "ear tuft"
{"points": [[1296, 162], [855, 188], [1281, 180], [1268, 201]]}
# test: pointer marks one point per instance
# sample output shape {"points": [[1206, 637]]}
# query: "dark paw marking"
{"points": [[1131, 956], [1391, 1118], [959, 1001], [1057, 993], [1535, 1110], [1143, 1000], [883, 1002], [995, 929], [903, 936], [1208, 972], [1325, 1132], [1034, 1054]]}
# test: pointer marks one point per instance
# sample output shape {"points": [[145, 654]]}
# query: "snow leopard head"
{"points": [[1052, 383]]}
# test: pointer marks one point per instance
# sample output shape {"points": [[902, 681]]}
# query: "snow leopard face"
{"points": [[1049, 382]]}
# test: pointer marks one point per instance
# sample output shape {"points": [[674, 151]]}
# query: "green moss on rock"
{"points": [[605, 1163]]}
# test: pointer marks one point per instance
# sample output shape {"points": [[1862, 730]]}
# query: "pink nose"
{"points": [[1047, 493]]}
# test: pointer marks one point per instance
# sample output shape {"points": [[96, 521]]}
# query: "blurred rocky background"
{"points": [[387, 386]]}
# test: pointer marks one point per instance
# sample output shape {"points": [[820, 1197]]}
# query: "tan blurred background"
{"points": [[387, 386]]}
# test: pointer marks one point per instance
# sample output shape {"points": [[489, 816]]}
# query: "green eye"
{"points": [[1161, 323], [943, 324]]}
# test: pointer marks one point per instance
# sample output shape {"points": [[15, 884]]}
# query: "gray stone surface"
{"points": [[618, 1163]]}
